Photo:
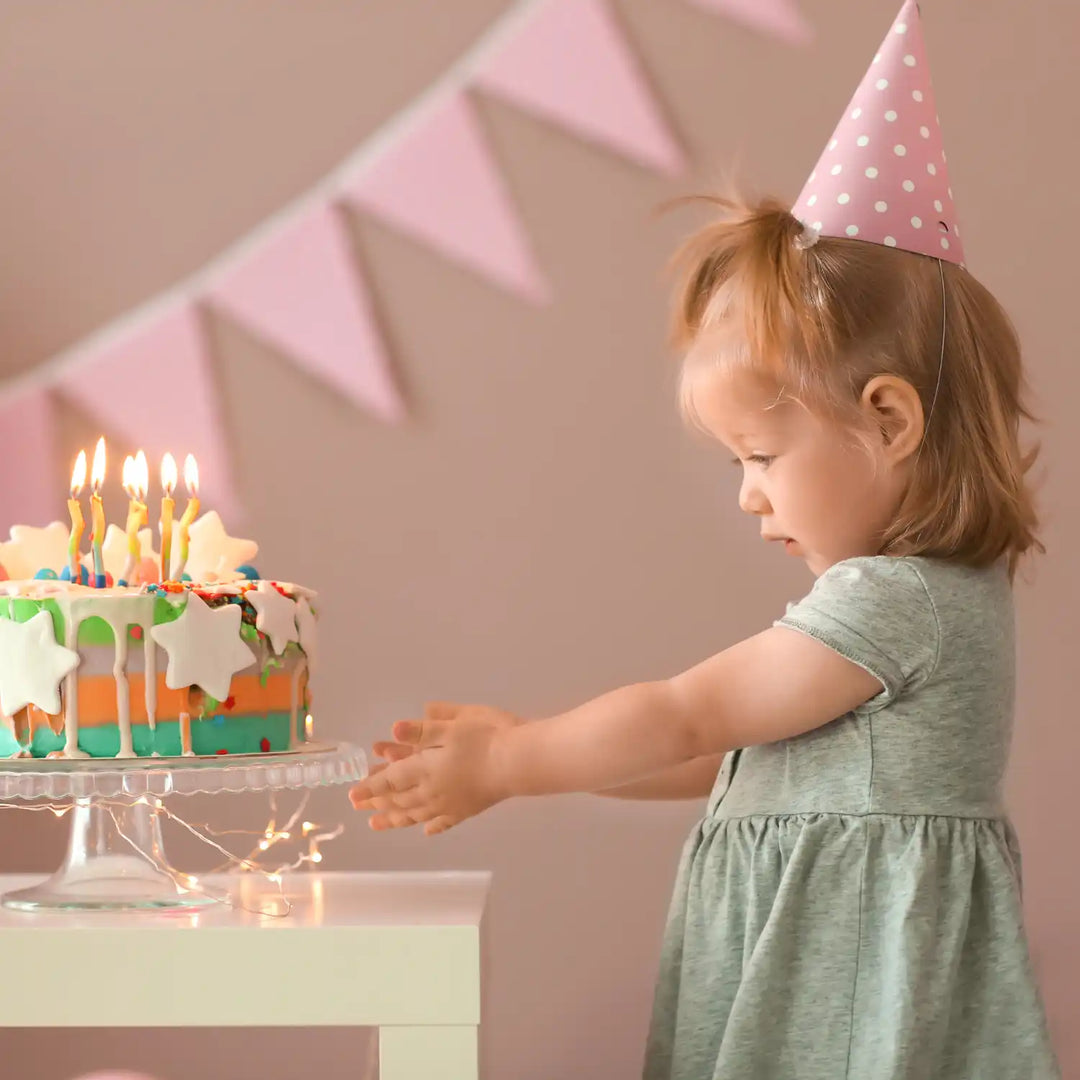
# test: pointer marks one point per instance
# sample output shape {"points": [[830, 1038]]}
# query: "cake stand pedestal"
{"points": [[115, 858]]}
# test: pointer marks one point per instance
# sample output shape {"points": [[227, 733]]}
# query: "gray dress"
{"points": [[850, 906]]}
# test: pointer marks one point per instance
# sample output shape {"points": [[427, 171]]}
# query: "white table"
{"points": [[399, 951]]}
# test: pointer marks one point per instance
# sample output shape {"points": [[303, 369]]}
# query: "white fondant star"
{"points": [[305, 623], [204, 646], [32, 664], [213, 551], [114, 550], [32, 549], [276, 616]]}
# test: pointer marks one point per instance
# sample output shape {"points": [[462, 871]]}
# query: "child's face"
{"points": [[815, 488]]}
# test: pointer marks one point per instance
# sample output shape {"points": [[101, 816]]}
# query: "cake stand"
{"points": [[115, 858]]}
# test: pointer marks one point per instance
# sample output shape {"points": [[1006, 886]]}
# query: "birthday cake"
{"points": [[217, 662]]}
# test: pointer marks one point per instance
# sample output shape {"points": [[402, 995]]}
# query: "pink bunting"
{"points": [[571, 64], [440, 184], [155, 387], [28, 487], [302, 292], [777, 18]]}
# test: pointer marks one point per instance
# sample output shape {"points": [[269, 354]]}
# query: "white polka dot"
{"points": [[900, 150], [901, 28], [871, 172], [909, 60], [877, 57], [890, 115], [862, 140], [890, 241], [937, 205], [812, 176], [817, 225], [852, 230], [843, 198], [932, 169], [881, 207], [950, 193], [924, 132], [917, 222], [856, 114], [811, 200], [836, 170], [832, 144], [943, 157], [881, 84], [945, 243], [956, 229], [908, 185], [917, 95]]}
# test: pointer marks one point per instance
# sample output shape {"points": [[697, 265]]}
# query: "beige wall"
{"points": [[542, 529]]}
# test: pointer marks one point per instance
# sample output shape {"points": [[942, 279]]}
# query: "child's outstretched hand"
{"points": [[440, 771]]}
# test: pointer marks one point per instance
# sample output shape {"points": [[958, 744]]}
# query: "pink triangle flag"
{"points": [[571, 64], [28, 487], [155, 387], [776, 18], [883, 175], [441, 185], [301, 291]]}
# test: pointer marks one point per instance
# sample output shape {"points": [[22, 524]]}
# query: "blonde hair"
{"points": [[825, 319]]}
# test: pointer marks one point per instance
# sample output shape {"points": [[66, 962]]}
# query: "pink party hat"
{"points": [[883, 176]]}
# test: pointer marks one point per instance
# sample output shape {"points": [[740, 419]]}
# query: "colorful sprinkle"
{"points": [[222, 751], [135, 630], [264, 745]]}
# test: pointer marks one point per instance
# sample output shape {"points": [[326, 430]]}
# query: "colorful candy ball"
{"points": [[46, 573], [3, 573], [84, 575], [249, 572]]}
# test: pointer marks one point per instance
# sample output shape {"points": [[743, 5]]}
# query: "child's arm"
{"points": [[690, 780], [775, 685]]}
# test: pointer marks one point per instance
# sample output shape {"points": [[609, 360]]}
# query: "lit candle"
{"points": [[136, 481], [168, 504], [97, 512], [191, 482], [78, 482]]}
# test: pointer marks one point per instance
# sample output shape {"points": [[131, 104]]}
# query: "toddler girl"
{"points": [[850, 904]]}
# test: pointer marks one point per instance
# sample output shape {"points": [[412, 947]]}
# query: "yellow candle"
{"points": [[97, 513], [191, 482], [78, 482], [168, 504], [136, 482]]}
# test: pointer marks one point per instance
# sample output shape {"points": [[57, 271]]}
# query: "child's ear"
{"points": [[892, 406]]}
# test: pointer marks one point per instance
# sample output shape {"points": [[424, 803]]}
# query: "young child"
{"points": [[850, 904]]}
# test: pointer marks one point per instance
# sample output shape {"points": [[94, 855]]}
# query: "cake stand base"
{"points": [[115, 859], [103, 871]]}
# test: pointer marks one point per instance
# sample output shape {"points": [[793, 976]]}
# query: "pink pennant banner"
{"points": [[571, 64], [776, 18], [440, 184], [301, 291], [155, 387], [28, 488]]}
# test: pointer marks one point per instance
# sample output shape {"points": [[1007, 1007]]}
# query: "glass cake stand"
{"points": [[115, 858]]}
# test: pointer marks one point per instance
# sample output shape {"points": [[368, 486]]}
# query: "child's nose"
{"points": [[752, 499]]}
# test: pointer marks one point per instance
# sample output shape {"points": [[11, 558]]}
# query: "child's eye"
{"points": [[764, 460]]}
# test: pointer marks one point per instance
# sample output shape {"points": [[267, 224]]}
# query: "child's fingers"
{"points": [[420, 732], [439, 825], [391, 819], [392, 751]]}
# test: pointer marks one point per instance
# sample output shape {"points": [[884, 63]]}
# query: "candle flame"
{"points": [[78, 475], [191, 475], [97, 473], [127, 481], [140, 476], [168, 474]]}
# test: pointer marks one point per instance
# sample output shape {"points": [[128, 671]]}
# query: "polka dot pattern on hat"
{"points": [[883, 176]]}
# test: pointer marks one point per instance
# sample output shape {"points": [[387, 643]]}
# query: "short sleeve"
{"points": [[877, 612]]}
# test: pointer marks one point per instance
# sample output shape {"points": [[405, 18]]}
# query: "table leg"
{"points": [[421, 1052]]}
